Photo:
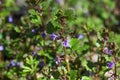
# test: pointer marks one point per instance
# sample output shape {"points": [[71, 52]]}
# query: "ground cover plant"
{"points": [[59, 40]]}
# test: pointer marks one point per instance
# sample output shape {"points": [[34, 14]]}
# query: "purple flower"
{"points": [[0, 2], [43, 34], [10, 19], [110, 64], [1, 47], [58, 1], [34, 53], [53, 36], [41, 64], [12, 63], [66, 43], [80, 36], [107, 51], [33, 30]]}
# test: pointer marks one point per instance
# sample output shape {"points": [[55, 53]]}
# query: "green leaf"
{"points": [[105, 14], [42, 78], [26, 68], [42, 53], [90, 65], [51, 28], [56, 74], [31, 11], [22, 78], [10, 2], [17, 29], [1, 36], [70, 14], [45, 4], [26, 71], [75, 43], [34, 17], [118, 71], [86, 78], [73, 74], [48, 56]]}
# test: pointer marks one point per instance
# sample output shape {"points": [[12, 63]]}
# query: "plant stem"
{"points": [[1, 62], [44, 50], [96, 77], [115, 69], [35, 76], [67, 62]]}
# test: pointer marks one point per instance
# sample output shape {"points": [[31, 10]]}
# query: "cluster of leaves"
{"points": [[58, 40]]}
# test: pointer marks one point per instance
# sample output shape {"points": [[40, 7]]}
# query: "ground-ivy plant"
{"points": [[59, 40]]}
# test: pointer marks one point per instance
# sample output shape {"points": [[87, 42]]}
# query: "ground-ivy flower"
{"points": [[110, 64], [41, 64], [66, 43], [80, 36], [53, 36], [43, 35], [33, 30], [107, 51], [1, 47], [0, 2], [61, 2], [10, 18], [58, 1], [12, 63], [34, 53]]}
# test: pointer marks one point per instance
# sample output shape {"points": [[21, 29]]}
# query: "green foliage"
{"points": [[75, 44], [34, 17], [40, 40], [30, 66], [73, 74]]}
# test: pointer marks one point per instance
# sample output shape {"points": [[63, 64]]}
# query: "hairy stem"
{"points": [[35, 76], [67, 62]]}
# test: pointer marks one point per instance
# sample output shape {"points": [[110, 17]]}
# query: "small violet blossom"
{"points": [[80, 36], [34, 53], [0, 2], [58, 1], [110, 64], [43, 35], [61, 2], [12, 63], [33, 30], [41, 64], [1, 47], [66, 43], [10, 18], [107, 51], [53, 36]]}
